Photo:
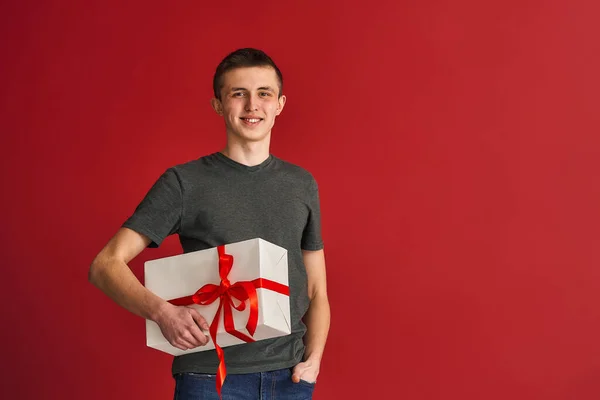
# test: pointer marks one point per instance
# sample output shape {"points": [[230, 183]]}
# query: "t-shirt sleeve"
{"points": [[311, 237], [159, 213]]}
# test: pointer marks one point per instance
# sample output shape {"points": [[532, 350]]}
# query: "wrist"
{"points": [[314, 358], [159, 310]]}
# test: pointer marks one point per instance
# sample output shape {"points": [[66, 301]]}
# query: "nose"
{"points": [[252, 103]]}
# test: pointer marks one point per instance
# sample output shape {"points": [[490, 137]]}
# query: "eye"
{"points": [[265, 94], [238, 94]]}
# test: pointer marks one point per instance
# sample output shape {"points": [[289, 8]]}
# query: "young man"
{"points": [[240, 193]]}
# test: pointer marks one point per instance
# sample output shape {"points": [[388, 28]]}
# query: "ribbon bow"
{"points": [[226, 292]]}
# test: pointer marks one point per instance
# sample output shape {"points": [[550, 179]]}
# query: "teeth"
{"points": [[252, 120]]}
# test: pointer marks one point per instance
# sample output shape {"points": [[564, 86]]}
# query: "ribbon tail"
{"points": [[222, 370], [230, 325]]}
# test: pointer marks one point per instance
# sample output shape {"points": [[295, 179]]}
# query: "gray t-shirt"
{"points": [[215, 200]]}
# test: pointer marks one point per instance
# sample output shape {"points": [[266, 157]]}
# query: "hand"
{"points": [[181, 326], [307, 371]]}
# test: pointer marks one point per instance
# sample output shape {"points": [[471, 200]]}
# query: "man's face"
{"points": [[249, 102]]}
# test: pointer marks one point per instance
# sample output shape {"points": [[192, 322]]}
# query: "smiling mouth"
{"points": [[251, 121]]}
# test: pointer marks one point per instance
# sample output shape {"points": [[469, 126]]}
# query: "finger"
{"points": [[199, 319], [182, 344], [186, 338], [193, 336], [200, 323], [179, 346], [177, 339], [198, 337]]}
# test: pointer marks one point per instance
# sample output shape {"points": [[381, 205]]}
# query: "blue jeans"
{"points": [[272, 385]]}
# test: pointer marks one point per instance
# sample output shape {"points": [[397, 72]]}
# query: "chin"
{"points": [[256, 138], [252, 136]]}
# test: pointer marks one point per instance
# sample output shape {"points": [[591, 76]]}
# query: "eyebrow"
{"points": [[268, 88]]}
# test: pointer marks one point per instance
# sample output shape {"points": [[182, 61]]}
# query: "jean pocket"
{"points": [[189, 386], [307, 383], [198, 375]]}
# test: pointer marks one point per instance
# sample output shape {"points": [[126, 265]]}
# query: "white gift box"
{"points": [[182, 275]]}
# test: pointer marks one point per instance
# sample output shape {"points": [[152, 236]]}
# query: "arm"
{"points": [[317, 319], [110, 273]]}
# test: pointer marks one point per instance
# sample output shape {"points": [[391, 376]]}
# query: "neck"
{"points": [[247, 153]]}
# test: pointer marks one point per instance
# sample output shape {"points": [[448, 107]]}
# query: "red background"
{"points": [[455, 144]]}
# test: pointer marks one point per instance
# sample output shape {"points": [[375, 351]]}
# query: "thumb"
{"points": [[296, 378], [297, 373]]}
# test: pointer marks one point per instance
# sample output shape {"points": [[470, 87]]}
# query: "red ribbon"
{"points": [[226, 292]]}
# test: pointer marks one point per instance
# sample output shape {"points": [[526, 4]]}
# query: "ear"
{"points": [[281, 104], [217, 105]]}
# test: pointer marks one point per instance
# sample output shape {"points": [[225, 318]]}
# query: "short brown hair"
{"points": [[241, 58]]}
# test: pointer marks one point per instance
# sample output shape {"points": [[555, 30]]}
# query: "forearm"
{"points": [[115, 279], [317, 321]]}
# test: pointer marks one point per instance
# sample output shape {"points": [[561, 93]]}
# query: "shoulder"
{"points": [[192, 169], [188, 175], [295, 172]]}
